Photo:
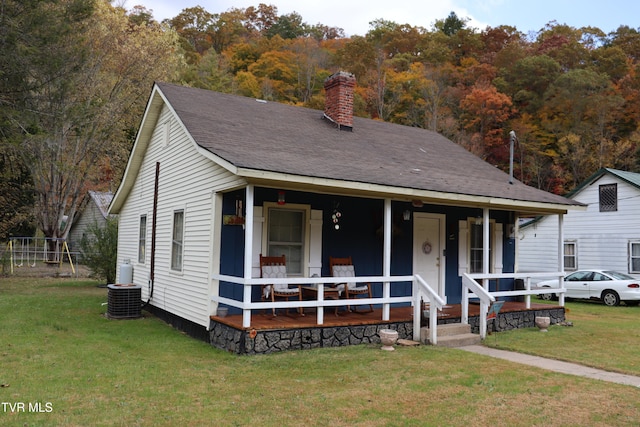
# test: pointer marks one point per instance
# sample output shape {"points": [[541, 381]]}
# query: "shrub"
{"points": [[99, 247]]}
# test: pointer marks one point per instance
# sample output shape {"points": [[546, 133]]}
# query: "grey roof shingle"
{"points": [[282, 138]]}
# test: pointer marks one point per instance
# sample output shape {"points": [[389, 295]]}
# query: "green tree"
{"points": [[99, 249], [210, 73], [451, 24], [16, 196], [288, 26]]}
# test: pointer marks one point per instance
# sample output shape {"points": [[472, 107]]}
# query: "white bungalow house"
{"points": [[605, 235], [214, 180]]}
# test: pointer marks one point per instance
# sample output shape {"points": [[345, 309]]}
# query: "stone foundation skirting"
{"points": [[253, 341], [517, 319]]}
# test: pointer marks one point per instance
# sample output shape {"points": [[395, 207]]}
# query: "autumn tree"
{"points": [[311, 63], [485, 111], [193, 25], [88, 80]]}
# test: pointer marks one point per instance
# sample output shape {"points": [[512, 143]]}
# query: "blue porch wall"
{"points": [[361, 236]]}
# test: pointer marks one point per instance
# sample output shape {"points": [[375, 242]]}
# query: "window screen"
{"points": [[608, 198]]}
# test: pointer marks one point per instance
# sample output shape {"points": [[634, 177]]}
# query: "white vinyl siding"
{"points": [[188, 180], [602, 238], [91, 215]]}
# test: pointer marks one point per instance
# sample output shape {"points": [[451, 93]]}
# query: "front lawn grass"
{"points": [[601, 337], [58, 350]]}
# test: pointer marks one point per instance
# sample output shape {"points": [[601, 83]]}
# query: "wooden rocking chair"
{"points": [[343, 267], [276, 267]]}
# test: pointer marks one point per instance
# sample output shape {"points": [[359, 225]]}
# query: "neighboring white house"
{"points": [[606, 235], [95, 211]]}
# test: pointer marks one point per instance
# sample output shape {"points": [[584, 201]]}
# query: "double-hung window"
{"points": [[570, 256], [476, 247], [286, 236], [177, 240], [142, 239], [634, 257]]}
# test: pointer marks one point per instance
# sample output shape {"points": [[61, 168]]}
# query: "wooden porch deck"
{"points": [[264, 320]]}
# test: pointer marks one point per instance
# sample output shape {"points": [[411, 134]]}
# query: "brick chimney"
{"points": [[338, 104]]}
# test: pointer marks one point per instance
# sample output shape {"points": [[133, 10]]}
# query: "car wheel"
{"points": [[547, 297], [610, 298]]}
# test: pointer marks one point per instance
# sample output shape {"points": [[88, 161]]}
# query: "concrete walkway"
{"points": [[555, 365]]}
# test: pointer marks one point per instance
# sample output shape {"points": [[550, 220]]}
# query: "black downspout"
{"points": [[153, 234]]}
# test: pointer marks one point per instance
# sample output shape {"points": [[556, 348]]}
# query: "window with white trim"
{"points": [[476, 247], [286, 231], [570, 255], [634, 257], [142, 239], [177, 240]]}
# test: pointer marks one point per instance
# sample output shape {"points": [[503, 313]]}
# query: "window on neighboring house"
{"points": [[285, 236], [142, 239], [608, 197], [177, 240], [476, 246], [634, 257], [570, 256]]}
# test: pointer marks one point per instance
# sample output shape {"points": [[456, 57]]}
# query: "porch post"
{"points": [[248, 256], [560, 256], [485, 246], [386, 260], [484, 308], [215, 248]]}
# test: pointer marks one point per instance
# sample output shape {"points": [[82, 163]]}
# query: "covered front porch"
{"points": [[423, 257], [290, 331]]}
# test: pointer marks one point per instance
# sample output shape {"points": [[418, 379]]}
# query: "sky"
{"points": [[354, 15]]}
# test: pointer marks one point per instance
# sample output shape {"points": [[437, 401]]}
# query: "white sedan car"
{"points": [[610, 287]]}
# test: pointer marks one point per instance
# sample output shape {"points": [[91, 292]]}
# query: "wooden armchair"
{"points": [[276, 267], [343, 267]]}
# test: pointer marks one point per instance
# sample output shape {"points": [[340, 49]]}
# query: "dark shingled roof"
{"points": [[275, 137]]}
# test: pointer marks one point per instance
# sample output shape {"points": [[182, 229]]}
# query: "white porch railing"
{"points": [[425, 292], [421, 290], [471, 288]]}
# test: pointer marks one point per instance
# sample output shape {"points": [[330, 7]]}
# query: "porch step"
{"points": [[452, 335]]}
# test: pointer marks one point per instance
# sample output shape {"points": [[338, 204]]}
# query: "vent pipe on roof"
{"points": [[338, 104]]}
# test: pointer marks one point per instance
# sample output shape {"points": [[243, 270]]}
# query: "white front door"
{"points": [[428, 249]]}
